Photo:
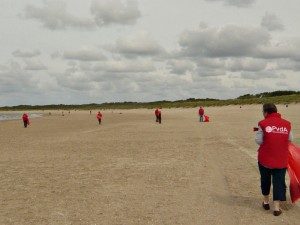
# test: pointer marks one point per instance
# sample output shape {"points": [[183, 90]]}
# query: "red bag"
{"points": [[294, 171], [206, 118]]}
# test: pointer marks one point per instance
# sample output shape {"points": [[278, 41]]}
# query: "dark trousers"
{"points": [[201, 118], [277, 177], [99, 120], [156, 118], [159, 118], [25, 123]]}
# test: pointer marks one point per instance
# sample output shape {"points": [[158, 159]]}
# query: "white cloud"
{"points": [[108, 12], [180, 66], [210, 72], [14, 79], [228, 41], [235, 42], [215, 63], [84, 54], [286, 49], [75, 80], [34, 65], [53, 15], [288, 64], [246, 64], [163, 54], [270, 74], [138, 44], [24, 54], [237, 3], [125, 66], [271, 22]]}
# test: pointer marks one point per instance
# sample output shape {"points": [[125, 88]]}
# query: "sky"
{"points": [[95, 51]]}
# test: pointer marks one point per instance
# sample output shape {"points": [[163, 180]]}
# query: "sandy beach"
{"points": [[68, 170]]}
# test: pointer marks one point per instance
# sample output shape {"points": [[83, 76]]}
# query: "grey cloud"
{"points": [[53, 15], [288, 49], [267, 74], [229, 41], [246, 64], [180, 66], [271, 22], [15, 80], [125, 66], [237, 3], [212, 67], [107, 12], [86, 66], [138, 44], [24, 54], [283, 85], [112, 87], [256, 86], [235, 42], [209, 72], [56, 55], [210, 62], [288, 64], [34, 65], [75, 80], [84, 54], [207, 87]]}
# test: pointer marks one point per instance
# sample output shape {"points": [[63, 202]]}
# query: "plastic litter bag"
{"points": [[206, 118], [294, 171]]}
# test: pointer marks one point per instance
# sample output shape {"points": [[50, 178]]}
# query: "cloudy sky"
{"points": [[94, 51]]}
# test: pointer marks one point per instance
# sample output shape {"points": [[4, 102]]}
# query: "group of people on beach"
{"points": [[157, 113], [273, 137], [99, 116]]}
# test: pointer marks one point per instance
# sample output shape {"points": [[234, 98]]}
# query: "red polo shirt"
{"points": [[273, 152]]}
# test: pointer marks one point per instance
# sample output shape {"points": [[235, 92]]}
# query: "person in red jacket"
{"points": [[99, 117], [25, 120], [201, 113], [156, 114], [273, 136], [159, 116]]}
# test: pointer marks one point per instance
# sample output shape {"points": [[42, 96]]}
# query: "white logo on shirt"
{"points": [[269, 129], [279, 130]]}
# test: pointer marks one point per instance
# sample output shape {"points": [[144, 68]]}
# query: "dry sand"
{"points": [[65, 170]]}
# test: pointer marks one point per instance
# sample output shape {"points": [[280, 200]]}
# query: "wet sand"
{"points": [[65, 170]]}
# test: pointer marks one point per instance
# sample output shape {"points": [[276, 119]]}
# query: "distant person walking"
{"points": [[25, 120], [201, 113], [273, 136], [156, 114], [159, 116], [99, 117]]}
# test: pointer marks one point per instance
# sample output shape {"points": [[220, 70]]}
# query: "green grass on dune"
{"points": [[188, 103]]}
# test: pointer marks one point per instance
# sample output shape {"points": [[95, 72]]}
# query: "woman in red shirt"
{"points": [[273, 136], [25, 120], [99, 117]]}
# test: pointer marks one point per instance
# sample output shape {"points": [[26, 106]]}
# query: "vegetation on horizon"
{"points": [[277, 97]]}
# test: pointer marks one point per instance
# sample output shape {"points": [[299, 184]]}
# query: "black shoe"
{"points": [[277, 213], [266, 206]]}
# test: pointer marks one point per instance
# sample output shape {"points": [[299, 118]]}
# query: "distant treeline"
{"points": [[277, 97], [269, 94]]}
